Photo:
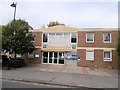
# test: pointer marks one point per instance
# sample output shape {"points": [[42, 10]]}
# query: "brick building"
{"points": [[64, 45]]}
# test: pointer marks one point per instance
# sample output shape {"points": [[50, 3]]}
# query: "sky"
{"points": [[87, 14]]}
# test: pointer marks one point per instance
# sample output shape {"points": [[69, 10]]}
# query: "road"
{"points": [[19, 84]]}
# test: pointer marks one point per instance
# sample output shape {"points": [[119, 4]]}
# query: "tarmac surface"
{"points": [[55, 75]]}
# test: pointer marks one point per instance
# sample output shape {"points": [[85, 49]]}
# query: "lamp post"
{"points": [[14, 5]]}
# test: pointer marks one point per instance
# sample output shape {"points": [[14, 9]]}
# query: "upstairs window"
{"points": [[73, 38], [106, 37], [51, 34], [58, 34], [45, 37], [90, 37]]}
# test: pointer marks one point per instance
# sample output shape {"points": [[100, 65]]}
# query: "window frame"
{"points": [[93, 55], [110, 38], [107, 59], [87, 37]]}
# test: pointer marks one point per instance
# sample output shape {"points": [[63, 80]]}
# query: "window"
{"points": [[30, 54], [66, 33], [107, 56], [90, 37], [34, 37], [58, 33], [73, 38], [106, 37], [52, 34], [45, 37], [89, 55], [71, 56]]}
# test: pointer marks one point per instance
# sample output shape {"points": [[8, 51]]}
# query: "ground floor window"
{"points": [[30, 54], [89, 55], [71, 56], [107, 55]]}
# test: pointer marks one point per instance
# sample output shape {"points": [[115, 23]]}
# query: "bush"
{"points": [[13, 63], [17, 63], [4, 61]]}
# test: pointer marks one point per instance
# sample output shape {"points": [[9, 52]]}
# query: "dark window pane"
{"points": [[45, 57], [73, 38], [44, 37]]}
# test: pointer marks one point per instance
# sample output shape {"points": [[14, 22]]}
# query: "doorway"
{"points": [[53, 57]]}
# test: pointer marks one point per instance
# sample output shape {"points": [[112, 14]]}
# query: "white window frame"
{"points": [[87, 36], [89, 58], [107, 41], [107, 59], [76, 37]]}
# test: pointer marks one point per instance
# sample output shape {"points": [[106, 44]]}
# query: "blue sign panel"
{"points": [[78, 57], [44, 45], [73, 46]]}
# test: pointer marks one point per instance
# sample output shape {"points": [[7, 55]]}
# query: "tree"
{"points": [[17, 38], [55, 23]]}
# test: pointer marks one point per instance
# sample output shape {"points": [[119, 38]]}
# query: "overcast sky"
{"points": [[75, 14]]}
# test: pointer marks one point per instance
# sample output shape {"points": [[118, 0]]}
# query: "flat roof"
{"points": [[60, 28]]}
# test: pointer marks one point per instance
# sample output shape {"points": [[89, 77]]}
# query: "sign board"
{"points": [[78, 58], [36, 55]]}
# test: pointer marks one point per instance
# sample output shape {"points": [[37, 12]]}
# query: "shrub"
{"points": [[17, 63], [13, 63]]}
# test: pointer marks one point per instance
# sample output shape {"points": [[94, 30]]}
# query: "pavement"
{"points": [[72, 76]]}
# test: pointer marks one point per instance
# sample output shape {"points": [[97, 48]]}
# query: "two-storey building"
{"points": [[62, 45]]}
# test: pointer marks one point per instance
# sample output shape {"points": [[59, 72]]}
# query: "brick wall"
{"points": [[98, 39], [38, 38], [98, 53]]}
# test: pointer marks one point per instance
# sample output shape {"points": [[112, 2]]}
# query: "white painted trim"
{"points": [[100, 48]]}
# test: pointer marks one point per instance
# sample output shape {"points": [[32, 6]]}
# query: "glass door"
{"points": [[55, 57], [45, 57], [50, 57], [61, 57]]}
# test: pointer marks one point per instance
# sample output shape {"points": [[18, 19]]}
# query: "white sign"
{"points": [[36, 55]]}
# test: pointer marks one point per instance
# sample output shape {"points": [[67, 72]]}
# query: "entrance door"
{"points": [[55, 57], [45, 57], [50, 57], [61, 57]]}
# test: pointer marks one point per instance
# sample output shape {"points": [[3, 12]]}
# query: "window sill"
{"points": [[90, 59], [107, 60], [89, 41], [106, 41]]}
